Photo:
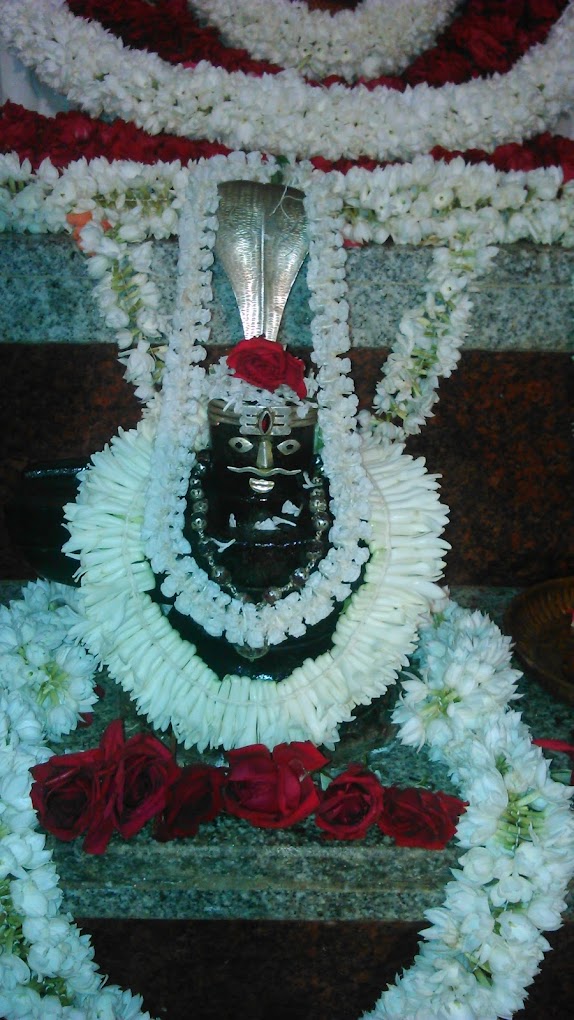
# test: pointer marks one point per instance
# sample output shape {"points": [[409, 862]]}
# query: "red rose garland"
{"points": [[73, 135], [272, 789], [122, 784], [118, 786], [351, 804], [170, 30], [193, 799], [68, 793], [70, 136]]}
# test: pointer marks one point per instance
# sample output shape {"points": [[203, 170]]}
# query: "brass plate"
{"points": [[539, 621]]}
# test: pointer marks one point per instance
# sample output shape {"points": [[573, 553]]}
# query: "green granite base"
{"points": [[234, 871]]}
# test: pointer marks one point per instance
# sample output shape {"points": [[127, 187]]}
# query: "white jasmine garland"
{"points": [[466, 212], [164, 674], [181, 428], [485, 943], [47, 970], [380, 37], [282, 113], [38, 658], [427, 345]]}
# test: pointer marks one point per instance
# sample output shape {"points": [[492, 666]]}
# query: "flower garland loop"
{"points": [[129, 632], [281, 113], [181, 428], [47, 970], [462, 212], [380, 37]]}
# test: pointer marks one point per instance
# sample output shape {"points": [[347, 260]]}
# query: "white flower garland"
{"points": [[182, 421], [47, 971], [164, 674], [56, 674], [283, 113], [465, 212], [380, 37], [485, 942]]}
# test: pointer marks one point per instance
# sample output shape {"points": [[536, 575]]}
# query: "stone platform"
{"points": [[234, 871]]}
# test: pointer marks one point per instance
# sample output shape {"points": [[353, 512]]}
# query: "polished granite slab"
{"points": [[525, 303], [288, 970]]}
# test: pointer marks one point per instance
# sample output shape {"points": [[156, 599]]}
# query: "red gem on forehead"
{"points": [[265, 421]]}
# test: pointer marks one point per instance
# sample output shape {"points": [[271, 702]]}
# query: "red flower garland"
{"points": [[71, 136], [418, 818], [170, 30], [487, 36], [118, 786], [350, 805], [273, 789]]}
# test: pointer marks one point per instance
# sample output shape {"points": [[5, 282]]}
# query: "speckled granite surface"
{"points": [[526, 302]]}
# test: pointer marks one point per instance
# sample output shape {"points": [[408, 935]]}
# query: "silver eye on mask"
{"points": [[240, 444], [288, 446]]}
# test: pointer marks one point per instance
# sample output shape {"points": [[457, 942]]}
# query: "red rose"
{"points": [[194, 798], [416, 817], [272, 789], [71, 792], [145, 769], [513, 156], [350, 804], [267, 364], [118, 785], [68, 794], [550, 9]]}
